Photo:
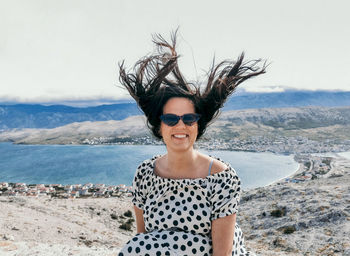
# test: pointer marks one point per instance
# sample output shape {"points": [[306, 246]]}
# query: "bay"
{"points": [[116, 164]]}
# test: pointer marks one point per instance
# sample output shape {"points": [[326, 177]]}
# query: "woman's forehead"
{"points": [[179, 105]]}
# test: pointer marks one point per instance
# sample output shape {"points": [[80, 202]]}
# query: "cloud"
{"points": [[266, 89], [69, 101]]}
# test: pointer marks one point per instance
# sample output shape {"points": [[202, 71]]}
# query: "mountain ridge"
{"points": [[41, 116], [315, 123]]}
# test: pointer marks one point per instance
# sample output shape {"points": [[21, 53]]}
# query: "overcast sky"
{"points": [[69, 49]]}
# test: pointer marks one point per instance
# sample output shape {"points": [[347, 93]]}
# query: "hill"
{"points": [[39, 116], [284, 130]]}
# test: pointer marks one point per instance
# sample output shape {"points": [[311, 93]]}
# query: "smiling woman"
{"points": [[179, 136], [185, 202]]}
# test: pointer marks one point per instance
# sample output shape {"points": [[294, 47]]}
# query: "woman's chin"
{"points": [[179, 146]]}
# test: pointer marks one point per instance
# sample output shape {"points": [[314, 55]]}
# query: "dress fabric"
{"points": [[178, 212]]}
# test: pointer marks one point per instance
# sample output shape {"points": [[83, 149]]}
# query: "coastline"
{"points": [[84, 164], [301, 217], [278, 181]]}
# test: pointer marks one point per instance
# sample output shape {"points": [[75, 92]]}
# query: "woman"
{"points": [[185, 202]]}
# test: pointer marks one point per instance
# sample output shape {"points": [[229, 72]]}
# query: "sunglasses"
{"points": [[172, 119]]}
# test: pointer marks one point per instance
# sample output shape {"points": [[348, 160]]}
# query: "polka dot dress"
{"points": [[178, 212]]}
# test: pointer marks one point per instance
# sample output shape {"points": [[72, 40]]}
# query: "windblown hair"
{"points": [[157, 78]]}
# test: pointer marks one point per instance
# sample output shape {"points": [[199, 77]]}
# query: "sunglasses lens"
{"points": [[170, 119], [189, 119]]}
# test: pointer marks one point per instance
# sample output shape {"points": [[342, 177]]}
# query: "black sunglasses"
{"points": [[172, 119]]}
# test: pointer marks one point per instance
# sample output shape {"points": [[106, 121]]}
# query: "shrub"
{"points": [[278, 212], [128, 213], [130, 221], [125, 226], [289, 230]]}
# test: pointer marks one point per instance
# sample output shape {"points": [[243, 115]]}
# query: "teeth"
{"points": [[180, 136]]}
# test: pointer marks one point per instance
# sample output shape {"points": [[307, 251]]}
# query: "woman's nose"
{"points": [[180, 123]]}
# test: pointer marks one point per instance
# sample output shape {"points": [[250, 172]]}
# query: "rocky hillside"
{"points": [[290, 118], [310, 217], [315, 123]]}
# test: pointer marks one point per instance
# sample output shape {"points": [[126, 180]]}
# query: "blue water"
{"points": [[113, 165]]}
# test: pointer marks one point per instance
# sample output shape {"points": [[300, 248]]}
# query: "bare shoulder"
{"points": [[218, 166]]}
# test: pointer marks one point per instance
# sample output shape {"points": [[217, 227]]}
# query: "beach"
{"points": [[305, 214]]}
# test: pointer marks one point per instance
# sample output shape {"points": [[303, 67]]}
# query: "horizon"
{"points": [[103, 101]]}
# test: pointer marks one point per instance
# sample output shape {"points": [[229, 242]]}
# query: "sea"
{"points": [[116, 164]]}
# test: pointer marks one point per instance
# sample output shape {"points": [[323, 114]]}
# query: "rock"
{"points": [[301, 225], [7, 246], [346, 252], [4, 243], [8, 237], [279, 242]]}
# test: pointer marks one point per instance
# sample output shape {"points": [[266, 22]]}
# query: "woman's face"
{"points": [[180, 137]]}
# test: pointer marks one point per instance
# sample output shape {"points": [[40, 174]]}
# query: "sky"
{"points": [[69, 50]]}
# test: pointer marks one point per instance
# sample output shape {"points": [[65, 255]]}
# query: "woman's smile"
{"points": [[180, 136]]}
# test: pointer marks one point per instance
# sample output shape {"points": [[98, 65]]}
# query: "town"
{"points": [[278, 144], [64, 191]]}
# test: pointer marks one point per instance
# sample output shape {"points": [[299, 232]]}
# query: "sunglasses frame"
{"points": [[196, 117]]}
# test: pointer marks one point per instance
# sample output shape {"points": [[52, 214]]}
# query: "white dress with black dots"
{"points": [[178, 212]]}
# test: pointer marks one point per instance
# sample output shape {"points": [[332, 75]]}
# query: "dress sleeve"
{"points": [[226, 190], [138, 187]]}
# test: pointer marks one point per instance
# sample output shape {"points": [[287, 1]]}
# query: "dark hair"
{"points": [[157, 78]]}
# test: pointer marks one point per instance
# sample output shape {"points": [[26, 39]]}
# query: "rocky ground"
{"points": [[44, 226], [306, 218]]}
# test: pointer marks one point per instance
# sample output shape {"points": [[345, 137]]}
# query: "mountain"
{"points": [[39, 116], [316, 123], [288, 99]]}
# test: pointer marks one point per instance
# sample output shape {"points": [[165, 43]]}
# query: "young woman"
{"points": [[185, 202]]}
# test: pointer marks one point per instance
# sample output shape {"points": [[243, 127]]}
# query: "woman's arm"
{"points": [[140, 224], [222, 234]]}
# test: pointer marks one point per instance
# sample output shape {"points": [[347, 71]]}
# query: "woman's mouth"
{"points": [[180, 136]]}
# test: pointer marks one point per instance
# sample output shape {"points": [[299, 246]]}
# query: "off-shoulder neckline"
{"points": [[226, 170]]}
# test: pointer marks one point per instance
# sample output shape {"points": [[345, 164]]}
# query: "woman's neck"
{"points": [[181, 161]]}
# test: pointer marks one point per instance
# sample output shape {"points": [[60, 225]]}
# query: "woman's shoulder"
{"points": [[218, 166], [222, 170], [144, 167]]}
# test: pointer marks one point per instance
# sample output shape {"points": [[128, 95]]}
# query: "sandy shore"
{"points": [[311, 217]]}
